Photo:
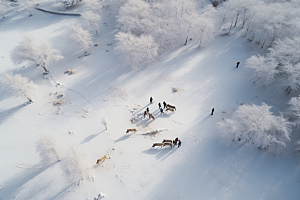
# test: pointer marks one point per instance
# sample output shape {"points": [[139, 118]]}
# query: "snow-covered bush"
{"points": [[254, 125], [265, 69], [82, 37], [74, 165], [92, 20], [105, 123], [40, 53], [49, 149], [69, 3], [134, 50], [19, 86]]}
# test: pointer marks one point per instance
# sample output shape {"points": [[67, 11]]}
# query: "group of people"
{"points": [[177, 142], [159, 107]]}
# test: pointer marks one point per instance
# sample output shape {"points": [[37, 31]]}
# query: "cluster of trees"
{"points": [[272, 25], [72, 160], [161, 24]]}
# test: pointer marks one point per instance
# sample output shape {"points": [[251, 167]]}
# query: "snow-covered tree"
{"points": [[92, 20], [74, 165], [25, 51], [82, 37], [69, 3], [293, 110], [104, 122], [46, 54], [264, 69], [49, 149], [94, 5], [290, 77], [134, 50], [30, 50], [18, 85], [206, 31], [254, 125], [297, 147]]}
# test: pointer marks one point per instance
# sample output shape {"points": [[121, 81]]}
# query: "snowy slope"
{"points": [[102, 87]]}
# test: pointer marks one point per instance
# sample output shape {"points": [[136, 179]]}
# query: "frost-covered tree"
{"points": [[254, 125], [294, 110], [264, 69], [49, 149], [26, 50], [104, 122], [74, 165], [134, 17], [18, 85], [290, 77], [69, 3], [134, 50], [46, 54], [82, 37], [92, 20], [94, 5], [297, 148], [31, 50], [206, 31]]}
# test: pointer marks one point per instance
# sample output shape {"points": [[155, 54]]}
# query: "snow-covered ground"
{"points": [[202, 168]]}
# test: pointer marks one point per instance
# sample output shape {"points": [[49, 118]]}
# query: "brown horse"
{"points": [[158, 144], [99, 160], [131, 130], [170, 109], [150, 115], [168, 144], [167, 140], [170, 106]]}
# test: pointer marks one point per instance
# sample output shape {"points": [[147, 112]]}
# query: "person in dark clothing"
{"points": [[161, 111], [212, 111], [237, 64], [159, 105], [179, 143], [145, 113], [175, 141], [151, 99], [147, 110], [165, 104]]}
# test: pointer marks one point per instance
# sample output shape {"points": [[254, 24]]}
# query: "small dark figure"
{"points": [[145, 113], [179, 143], [212, 111], [161, 111], [147, 110], [165, 104], [237, 64], [175, 141], [159, 105], [151, 99]]}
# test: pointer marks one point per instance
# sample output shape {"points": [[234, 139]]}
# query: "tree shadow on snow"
{"points": [[6, 114], [11, 187], [89, 138]]}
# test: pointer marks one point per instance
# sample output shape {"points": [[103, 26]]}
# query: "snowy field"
{"points": [[103, 87]]}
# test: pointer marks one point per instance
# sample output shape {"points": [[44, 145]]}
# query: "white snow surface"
{"points": [[202, 168]]}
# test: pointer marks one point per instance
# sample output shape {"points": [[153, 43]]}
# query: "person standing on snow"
{"points": [[145, 113], [147, 110], [179, 143], [161, 111], [237, 64], [165, 104], [151, 99], [159, 105], [212, 111]]}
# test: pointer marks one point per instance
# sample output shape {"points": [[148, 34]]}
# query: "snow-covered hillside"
{"points": [[103, 87]]}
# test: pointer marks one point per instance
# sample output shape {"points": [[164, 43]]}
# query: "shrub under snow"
{"points": [[74, 165], [49, 149], [254, 125]]}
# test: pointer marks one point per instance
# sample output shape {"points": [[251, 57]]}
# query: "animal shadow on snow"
{"points": [[161, 153], [6, 114], [124, 137], [90, 137]]}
